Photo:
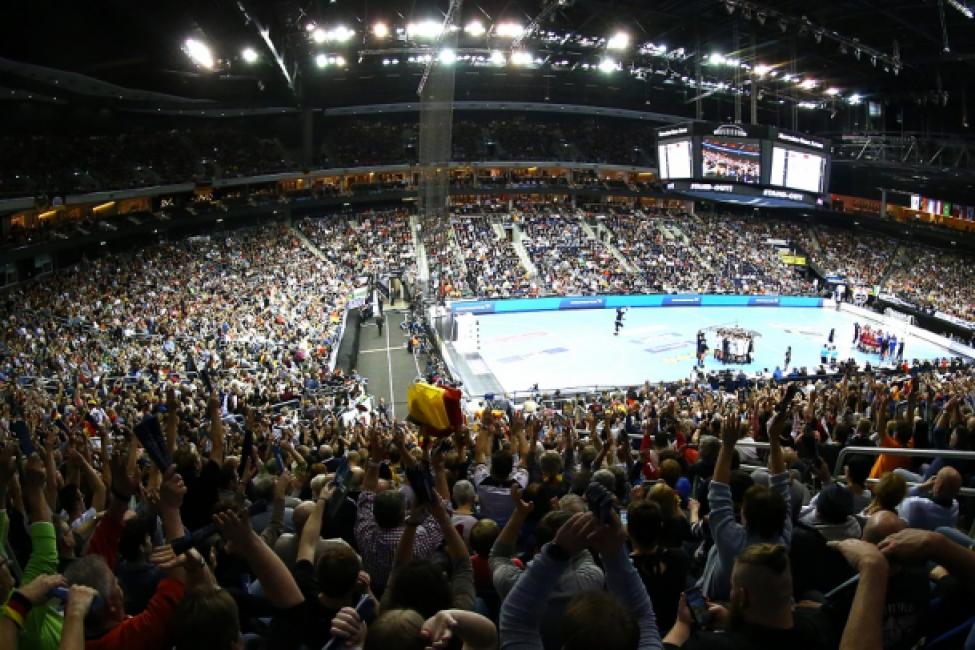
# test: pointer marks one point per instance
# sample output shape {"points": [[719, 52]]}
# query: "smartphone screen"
{"points": [[698, 605]]}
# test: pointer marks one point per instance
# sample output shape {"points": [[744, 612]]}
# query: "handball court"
{"points": [[577, 349]]}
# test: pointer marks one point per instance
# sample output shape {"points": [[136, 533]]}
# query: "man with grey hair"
{"points": [[464, 496]]}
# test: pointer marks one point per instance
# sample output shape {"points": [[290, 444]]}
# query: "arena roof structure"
{"points": [[908, 61]]}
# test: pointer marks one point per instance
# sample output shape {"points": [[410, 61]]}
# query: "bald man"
{"points": [[881, 525], [938, 509], [286, 545]]}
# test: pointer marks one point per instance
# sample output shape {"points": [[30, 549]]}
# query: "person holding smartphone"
{"points": [[761, 613]]}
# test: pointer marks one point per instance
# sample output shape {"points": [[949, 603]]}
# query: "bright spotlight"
{"points": [[310, 27], [199, 53], [318, 35], [447, 57], [854, 99], [249, 55], [607, 65], [425, 29], [321, 60], [761, 69], [380, 30], [619, 41], [475, 28], [509, 30], [497, 58], [521, 58], [340, 61], [808, 84], [340, 34], [717, 58], [832, 92]]}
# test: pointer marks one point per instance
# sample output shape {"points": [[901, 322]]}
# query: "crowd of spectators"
{"points": [[146, 396], [254, 305], [493, 267], [651, 241], [568, 260], [861, 259], [741, 257], [935, 280], [359, 141], [694, 516], [374, 242], [58, 165]]}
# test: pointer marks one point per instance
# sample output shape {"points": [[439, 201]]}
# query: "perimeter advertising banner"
{"points": [[520, 305]]}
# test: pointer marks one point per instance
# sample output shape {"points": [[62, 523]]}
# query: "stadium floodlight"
{"points": [[380, 30], [608, 65], [521, 58], [618, 41], [474, 28], [340, 34], [832, 92], [509, 30], [447, 56], [497, 57], [426, 29], [321, 60], [249, 55], [199, 53]]}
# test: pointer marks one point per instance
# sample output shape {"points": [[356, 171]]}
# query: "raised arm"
{"points": [[76, 609], [520, 611], [313, 528], [172, 419], [917, 546], [777, 428], [865, 625], [730, 429], [275, 578], [217, 430], [99, 493]]}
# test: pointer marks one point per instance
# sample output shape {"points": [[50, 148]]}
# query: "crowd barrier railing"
{"points": [[891, 451], [866, 451]]}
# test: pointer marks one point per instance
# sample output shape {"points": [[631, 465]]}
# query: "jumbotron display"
{"points": [[743, 163]]}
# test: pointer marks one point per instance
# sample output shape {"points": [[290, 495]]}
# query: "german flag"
{"points": [[90, 426], [434, 407]]}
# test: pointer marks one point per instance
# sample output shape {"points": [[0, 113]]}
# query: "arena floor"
{"points": [[577, 349]]}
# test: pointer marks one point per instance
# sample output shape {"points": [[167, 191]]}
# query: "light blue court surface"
{"points": [[575, 349]]}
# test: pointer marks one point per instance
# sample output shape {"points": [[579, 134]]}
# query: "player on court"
{"points": [[619, 321]]}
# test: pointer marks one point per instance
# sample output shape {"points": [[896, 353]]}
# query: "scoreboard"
{"points": [[746, 160]]}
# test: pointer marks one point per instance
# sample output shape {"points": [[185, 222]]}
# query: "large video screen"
{"points": [[797, 170], [732, 160], [674, 159]]}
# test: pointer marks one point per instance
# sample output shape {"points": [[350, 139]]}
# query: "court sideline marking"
{"points": [[389, 367]]}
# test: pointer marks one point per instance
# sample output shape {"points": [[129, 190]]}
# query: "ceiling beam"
{"points": [[265, 34]]}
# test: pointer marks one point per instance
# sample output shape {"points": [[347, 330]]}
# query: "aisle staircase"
{"points": [[522, 252], [309, 244], [893, 264], [422, 265], [607, 241]]}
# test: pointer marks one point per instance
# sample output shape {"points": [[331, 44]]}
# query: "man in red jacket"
{"points": [[107, 627]]}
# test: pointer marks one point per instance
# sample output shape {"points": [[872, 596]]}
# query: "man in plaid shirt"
{"points": [[382, 519]]}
